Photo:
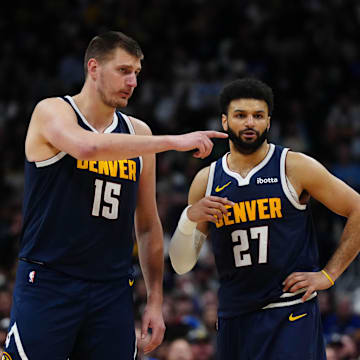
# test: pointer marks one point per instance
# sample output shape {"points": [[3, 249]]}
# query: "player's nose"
{"points": [[131, 80], [249, 121]]}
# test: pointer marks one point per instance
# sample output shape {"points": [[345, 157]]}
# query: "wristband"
{"points": [[328, 277], [185, 225]]}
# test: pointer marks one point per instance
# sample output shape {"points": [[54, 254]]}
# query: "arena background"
{"points": [[305, 50]]}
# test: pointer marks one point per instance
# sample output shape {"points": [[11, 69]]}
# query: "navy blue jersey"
{"points": [[267, 235], [79, 215]]}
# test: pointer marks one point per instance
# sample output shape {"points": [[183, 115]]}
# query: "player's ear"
{"points": [[224, 122], [268, 127], [92, 66]]}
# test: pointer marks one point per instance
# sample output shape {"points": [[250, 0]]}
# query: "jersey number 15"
{"points": [[106, 199]]}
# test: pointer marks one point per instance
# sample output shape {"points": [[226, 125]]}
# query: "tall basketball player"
{"points": [[88, 167]]}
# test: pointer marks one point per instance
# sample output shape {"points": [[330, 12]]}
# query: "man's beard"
{"points": [[111, 101], [247, 147], [108, 100]]}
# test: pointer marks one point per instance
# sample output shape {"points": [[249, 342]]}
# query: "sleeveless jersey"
{"points": [[266, 236], [79, 214]]}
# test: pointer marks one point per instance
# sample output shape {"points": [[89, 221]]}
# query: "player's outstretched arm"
{"points": [[339, 198], [54, 124], [192, 229]]}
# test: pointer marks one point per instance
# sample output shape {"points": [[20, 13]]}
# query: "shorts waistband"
{"points": [[288, 299]]}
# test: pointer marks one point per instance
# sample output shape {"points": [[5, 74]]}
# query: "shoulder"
{"points": [[140, 127], [52, 102], [297, 162], [202, 175], [306, 171], [54, 105]]}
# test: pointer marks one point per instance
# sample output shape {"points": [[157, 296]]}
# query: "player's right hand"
{"points": [[209, 208], [199, 140]]}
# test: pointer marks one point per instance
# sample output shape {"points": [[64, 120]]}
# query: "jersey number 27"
{"points": [[241, 239]]}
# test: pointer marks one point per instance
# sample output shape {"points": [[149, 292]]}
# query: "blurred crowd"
{"points": [[305, 50]]}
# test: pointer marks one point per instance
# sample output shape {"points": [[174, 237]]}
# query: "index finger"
{"points": [[215, 134], [222, 200]]}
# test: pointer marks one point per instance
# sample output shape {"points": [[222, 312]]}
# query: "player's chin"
{"points": [[122, 102], [249, 140]]}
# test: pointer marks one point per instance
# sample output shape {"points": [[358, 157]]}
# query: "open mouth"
{"points": [[249, 134]]}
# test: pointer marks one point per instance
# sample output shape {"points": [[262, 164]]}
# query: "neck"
{"points": [[98, 115], [241, 163]]}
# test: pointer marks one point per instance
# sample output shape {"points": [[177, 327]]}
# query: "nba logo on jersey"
{"points": [[32, 276]]}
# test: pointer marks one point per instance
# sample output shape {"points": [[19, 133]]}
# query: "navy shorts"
{"points": [[57, 317], [284, 333]]}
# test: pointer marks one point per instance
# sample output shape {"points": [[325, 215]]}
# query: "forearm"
{"points": [[185, 244], [151, 257], [348, 248], [124, 146], [184, 250]]}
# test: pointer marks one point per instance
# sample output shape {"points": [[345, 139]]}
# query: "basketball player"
{"points": [[253, 204], [88, 167]]}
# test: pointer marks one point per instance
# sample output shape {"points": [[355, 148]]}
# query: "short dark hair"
{"points": [[102, 46], [246, 88]]}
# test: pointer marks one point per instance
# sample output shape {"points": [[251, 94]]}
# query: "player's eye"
{"points": [[240, 116]]}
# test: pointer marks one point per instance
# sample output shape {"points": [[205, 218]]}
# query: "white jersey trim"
{"points": [[246, 180], [135, 350], [128, 123], [108, 130], [132, 132], [50, 161], [289, 303], [210, 179], [287, 187], [61, 154], [14, 331]]}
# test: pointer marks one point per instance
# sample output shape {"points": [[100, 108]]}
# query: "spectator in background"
{"points": [[344, 321], [5, 303], [179, 349], [331, 352], [341, 347], [344, 167], [4, 323], [201, 344], [326, 304]]}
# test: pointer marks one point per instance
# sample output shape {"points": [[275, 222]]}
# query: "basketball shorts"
{"points": [[283, 333], [57, 317]]}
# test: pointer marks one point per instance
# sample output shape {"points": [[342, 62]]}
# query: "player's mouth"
{"points": [[125, 94], [249, 134]]}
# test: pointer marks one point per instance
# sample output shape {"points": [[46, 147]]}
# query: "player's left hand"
{"points": [[152, 319], [311, 281]]}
